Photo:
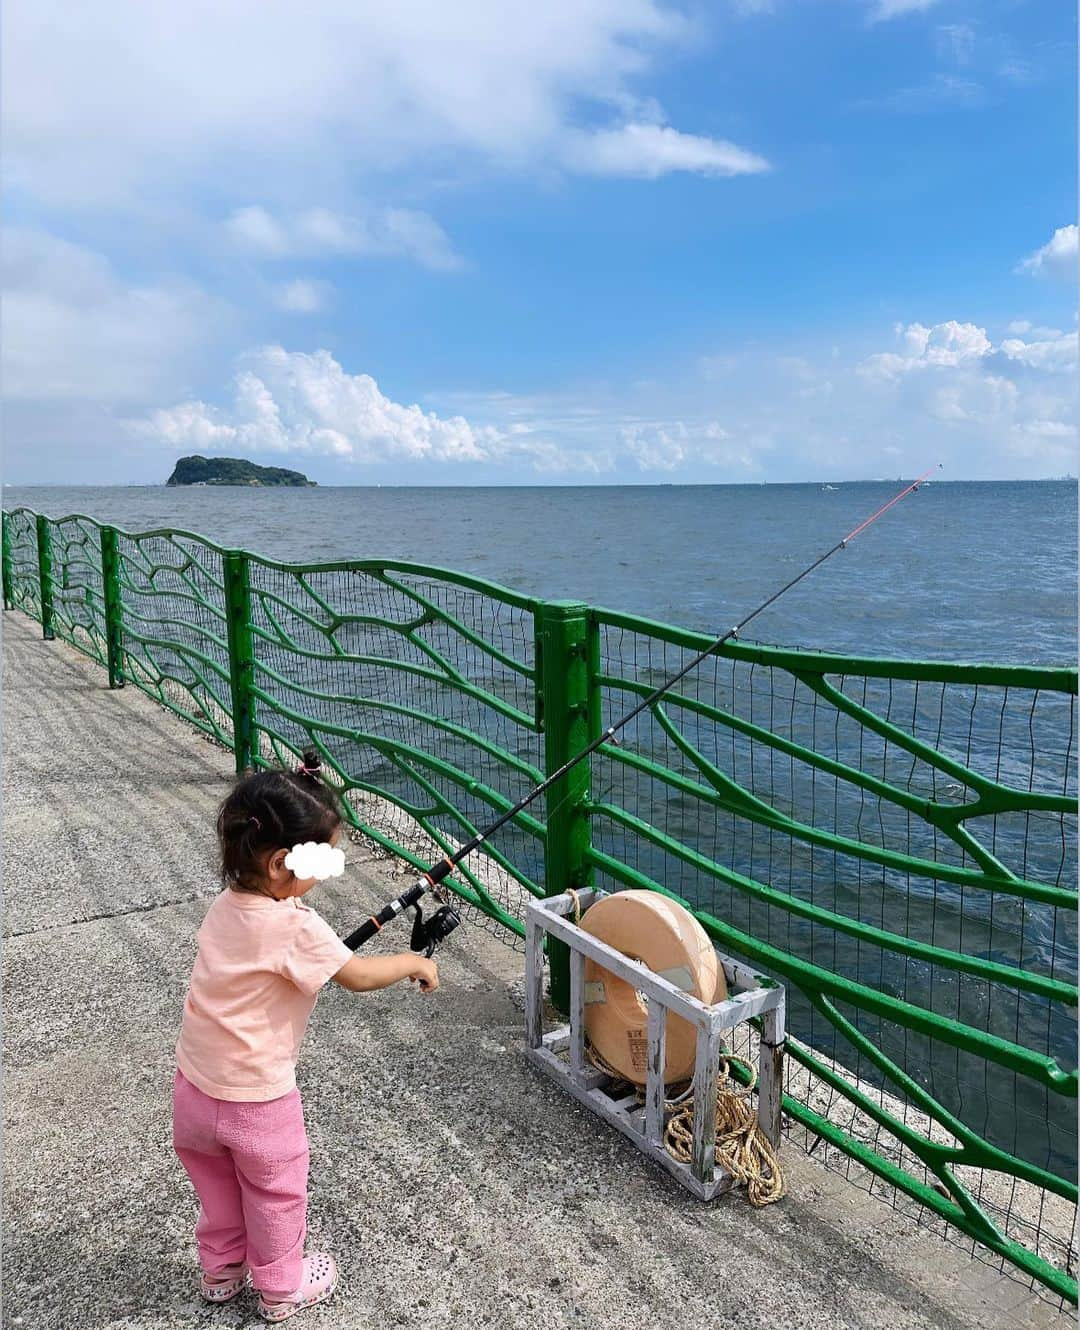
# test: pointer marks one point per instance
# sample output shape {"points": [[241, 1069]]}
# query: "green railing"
{"points": [[895, 840]]}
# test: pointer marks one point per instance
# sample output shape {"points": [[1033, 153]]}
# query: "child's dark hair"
{"points": [[270, 810]]}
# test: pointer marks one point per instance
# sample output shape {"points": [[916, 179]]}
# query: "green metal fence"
{"points": [[895, 840]]}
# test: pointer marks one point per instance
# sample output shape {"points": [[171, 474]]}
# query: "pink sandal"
{"points": [[319, 1281], [225, 1286]]}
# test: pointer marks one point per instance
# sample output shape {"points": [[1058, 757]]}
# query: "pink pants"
{"points": [[249, 1165]]}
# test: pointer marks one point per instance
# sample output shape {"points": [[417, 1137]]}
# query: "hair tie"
{"points": [[254, 819]]}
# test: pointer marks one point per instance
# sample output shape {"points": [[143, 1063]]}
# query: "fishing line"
{"points": [[428, 933]]}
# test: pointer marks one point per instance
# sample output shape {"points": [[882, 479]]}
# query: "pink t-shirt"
{"points": [[259, 969]]}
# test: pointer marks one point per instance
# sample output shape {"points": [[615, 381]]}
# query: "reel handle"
{"points": [[428, 933]]}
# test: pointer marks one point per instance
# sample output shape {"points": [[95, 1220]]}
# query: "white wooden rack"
{"points": [[560, 1053]]}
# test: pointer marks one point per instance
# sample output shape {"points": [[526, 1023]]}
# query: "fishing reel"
{"points": [[428, 933]]}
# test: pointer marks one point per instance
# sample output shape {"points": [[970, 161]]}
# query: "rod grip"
{"points": [[360, 935]]}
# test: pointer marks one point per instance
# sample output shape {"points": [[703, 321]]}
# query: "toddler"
{"points": [[238, 1123]]}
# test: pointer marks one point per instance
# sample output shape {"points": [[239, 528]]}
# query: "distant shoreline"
{"points": [[629, 484]]}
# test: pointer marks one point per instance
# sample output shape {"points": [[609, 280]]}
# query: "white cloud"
{"points": [[965, 345], [553, 459], [74, 330], [1050, 429], [303, 296], [884, 10], [1016, 396], [1049, 443], [275, 99], [1024, 327], [648, 151], [986, 405], [297, 403], [405, 231], [320, 233], [948, 343], [980, 399], [1056, 353], [948, 392], [254, 229], [656, 447], [1057, 258], [289, 402], [667, 445]]}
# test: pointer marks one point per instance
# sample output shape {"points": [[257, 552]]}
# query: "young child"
{"points": [[238, 1123]]}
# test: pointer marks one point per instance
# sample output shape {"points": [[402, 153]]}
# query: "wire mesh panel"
{"points": [[174, 626], [418, 689], [22, 548], [898, 843], [895, 841], [78, 585]]}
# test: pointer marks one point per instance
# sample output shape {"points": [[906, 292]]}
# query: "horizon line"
{"points": [[622, 484]]}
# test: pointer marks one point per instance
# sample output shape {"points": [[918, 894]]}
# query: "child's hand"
{"points": [[362, 974], [425, 973]]}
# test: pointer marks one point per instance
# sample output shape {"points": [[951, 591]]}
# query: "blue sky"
{"points": [[595, 241]]}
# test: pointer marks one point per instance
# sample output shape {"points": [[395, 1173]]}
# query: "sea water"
{"points": [[961, 571], [982, 571]]}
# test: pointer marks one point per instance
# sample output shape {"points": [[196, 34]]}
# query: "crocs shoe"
{"points": [[319, 1281], [223, 1287]]}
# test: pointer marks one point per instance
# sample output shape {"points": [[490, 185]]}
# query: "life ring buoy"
{"points": [[667, 939]]}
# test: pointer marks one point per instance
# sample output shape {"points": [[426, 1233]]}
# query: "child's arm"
{"points": [[363, 974]]}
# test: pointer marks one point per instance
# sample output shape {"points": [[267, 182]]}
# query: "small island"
{"points": [[232, 471]]}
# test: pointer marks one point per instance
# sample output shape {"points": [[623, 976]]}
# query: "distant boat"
{"points": [[829, 487]]}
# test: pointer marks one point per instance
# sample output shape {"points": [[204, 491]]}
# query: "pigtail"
{"points": [[310, 765]]}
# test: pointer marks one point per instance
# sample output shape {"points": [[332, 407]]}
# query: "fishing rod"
{"points": [[428, 933]]}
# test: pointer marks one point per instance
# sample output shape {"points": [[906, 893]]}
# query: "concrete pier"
{"points": [[454, 1185]]}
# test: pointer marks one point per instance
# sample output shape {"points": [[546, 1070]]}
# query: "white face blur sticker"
{"points": [[318, 861]]}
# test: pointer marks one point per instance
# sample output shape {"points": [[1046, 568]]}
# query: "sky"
{"points": [[497, 242]]}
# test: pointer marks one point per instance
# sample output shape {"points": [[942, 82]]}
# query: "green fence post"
{"points": [[241, 670], [44, 544], [114, 619], [5, 558], [564, 635]]}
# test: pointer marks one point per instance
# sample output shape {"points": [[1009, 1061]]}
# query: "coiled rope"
{"points": [[742, 1148]]}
